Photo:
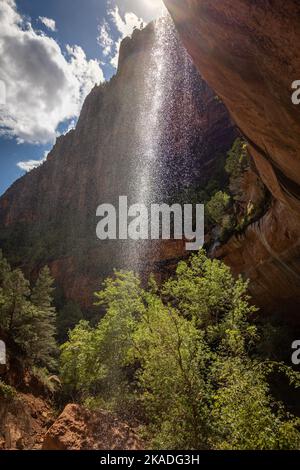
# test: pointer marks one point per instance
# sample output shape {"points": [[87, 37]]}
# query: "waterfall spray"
{"points": [[167, 93]]}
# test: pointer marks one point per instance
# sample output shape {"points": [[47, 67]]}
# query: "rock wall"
{"points": [[268, 255], [247, 51]]}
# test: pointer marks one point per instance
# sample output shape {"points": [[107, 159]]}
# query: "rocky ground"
{"points": [[24, 422], [29, 423], [80, 429]]}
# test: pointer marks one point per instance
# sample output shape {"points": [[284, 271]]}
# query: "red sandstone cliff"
{"points": [[248, 52], [49, 215]]}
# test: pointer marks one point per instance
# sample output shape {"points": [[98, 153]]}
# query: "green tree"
{"points": [[78, 369], [44, 325], [15, 290], [175, 392], [97, 357], [185, 355], [27, 316]]}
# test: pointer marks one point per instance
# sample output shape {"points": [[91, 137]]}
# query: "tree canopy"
{"points": [[182, 356]]}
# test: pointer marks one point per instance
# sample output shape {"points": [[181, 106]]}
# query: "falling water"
{"points": [[163, 124], [168, 90], [150, 133]]}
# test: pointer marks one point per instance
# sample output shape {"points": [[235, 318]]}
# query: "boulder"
{"points": [[80, 429]]}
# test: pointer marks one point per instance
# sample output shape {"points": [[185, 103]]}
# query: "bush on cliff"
{"points": [[238, 159], [183, 357]]}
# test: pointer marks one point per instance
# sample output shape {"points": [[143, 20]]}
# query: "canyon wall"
{"points": [[49, 215], [248, 52]]}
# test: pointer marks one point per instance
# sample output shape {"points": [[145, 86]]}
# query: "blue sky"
{"points": [[51, 55]]}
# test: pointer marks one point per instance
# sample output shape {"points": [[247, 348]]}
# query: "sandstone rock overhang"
{"points": [[248, 52]]}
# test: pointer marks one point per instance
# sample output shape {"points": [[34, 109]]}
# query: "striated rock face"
{"points": [[247, 51], [49, 215], [78, 429]]}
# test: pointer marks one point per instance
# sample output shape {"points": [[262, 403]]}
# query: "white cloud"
{"points": [[31, 164], [104, 39], [124, 26], [71, 126], [44, 86], [48, 22], [148, 9]]}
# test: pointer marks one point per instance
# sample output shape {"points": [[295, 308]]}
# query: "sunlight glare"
{"points": [[154, 4]]}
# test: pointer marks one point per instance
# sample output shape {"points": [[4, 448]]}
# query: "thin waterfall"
{"points": [[150, 132], [162, 150]]}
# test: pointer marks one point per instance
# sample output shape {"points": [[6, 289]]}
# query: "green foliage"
{"points": [[77, 367], [93, 359], [27, 315], [245, 413], [7, 392], [238, 159], [183, 358], [205, 290], [218, 206], [172, 377], [219, 212], [45, 322]]}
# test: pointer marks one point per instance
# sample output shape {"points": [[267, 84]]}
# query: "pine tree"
{"points": [[16, 291], [28, 316], [4, 268], [4, 271], [45, 321]]}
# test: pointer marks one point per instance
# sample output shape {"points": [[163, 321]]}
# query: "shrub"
{"points": [[238, 159], [217, 207], [7, 392]]}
